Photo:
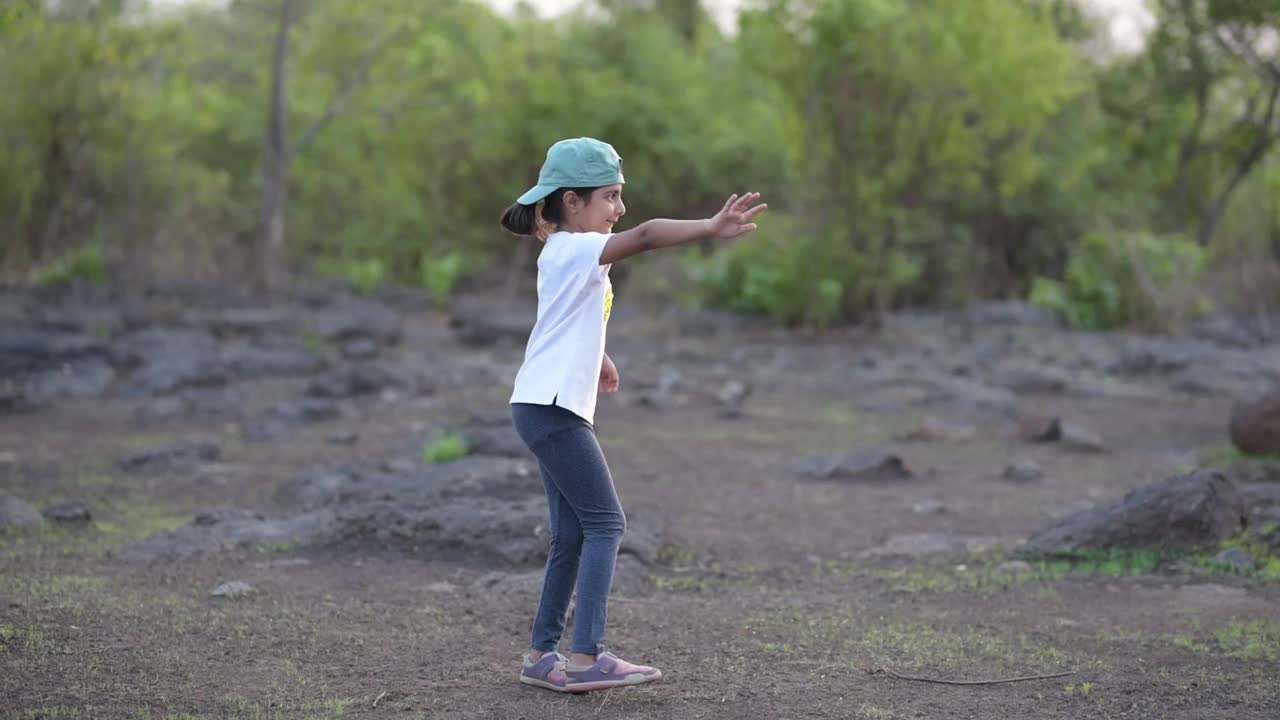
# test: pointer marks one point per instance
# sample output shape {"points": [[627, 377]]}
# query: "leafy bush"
{"points": [[444, 449], [1118, 280], [83, 264]]}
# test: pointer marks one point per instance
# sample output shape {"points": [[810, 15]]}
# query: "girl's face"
{"points": [[598, 214]]}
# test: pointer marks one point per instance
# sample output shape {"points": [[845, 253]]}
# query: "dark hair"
{"points": [[536, 219]]}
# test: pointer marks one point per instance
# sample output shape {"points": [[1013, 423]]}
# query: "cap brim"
{"points": [[536, 193]]}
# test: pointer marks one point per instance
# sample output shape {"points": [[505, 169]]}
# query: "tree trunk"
{"points": [[275, 167]]}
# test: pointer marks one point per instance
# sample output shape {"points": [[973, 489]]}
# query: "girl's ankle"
{"points": [[581, 659]]}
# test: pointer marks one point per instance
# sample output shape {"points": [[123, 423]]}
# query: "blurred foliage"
{"points": [[929, 151]]}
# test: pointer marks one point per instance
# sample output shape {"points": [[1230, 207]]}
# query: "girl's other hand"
{"points": [[734, 218], [608, 376]]}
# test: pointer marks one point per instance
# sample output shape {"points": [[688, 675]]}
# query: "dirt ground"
{"points": [[766, 603]]}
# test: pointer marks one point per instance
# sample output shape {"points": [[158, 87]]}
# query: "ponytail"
{"points": [[540, 220]]}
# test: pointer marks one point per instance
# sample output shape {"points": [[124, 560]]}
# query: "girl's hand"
{"points": [[608, 376], [734, 218]]}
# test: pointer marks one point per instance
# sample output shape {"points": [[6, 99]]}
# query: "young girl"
{"points": [[573, 209]]}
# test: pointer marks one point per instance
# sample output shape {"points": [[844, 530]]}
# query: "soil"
{"points": [[768, 599]]}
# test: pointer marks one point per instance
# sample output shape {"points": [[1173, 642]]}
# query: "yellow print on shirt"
{"points": [[608, 302]]}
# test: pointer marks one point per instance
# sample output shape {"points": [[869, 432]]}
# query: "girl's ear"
{"points": [[571, 200]]}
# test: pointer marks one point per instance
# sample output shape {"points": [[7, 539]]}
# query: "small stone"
{"points": [[932, 429], [928, 507], [1014, 566], [1235, 557], [233, 589], [401, 466], [360, 349], [72, 512], [18, 513], [346, 437], [441, 587], [1023, 471]]}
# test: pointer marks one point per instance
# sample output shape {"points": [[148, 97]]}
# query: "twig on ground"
{"points": [[977, 682], [379, 698], [608, 695]]}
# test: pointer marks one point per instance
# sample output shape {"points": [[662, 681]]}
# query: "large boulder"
{"points": [[1255, 426], [1185, 511]]}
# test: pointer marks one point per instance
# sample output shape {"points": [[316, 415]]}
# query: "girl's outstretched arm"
{"points": [[734, 219]]}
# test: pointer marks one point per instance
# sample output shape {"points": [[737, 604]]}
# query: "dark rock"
{"points": [[343, 437], [354, 318], [168, 359], [251, 321], [1066, 434], [16, 513], [1022, 376], [1156, 355], [72, 512], [87, 377], [970, 395], [868, 465], [1012, 312], [264, 430], [195, 403], [252, 361], [1184, 511], [1255, 425], [363, 379], [227, 530], [482, 324], [1023, 471], [1235, 557], [26, 351], [360, 349], [307, 410], [180, 456], [499, 439], [932, 429]]}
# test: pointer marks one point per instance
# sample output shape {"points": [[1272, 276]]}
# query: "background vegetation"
{"points": [[913, 151]]}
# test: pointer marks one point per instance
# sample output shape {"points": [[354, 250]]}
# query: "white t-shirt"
{"points": [[566, 347]]}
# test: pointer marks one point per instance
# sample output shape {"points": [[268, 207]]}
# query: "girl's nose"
{"points": [[622, 207]]}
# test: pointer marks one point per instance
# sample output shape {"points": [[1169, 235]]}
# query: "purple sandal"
{"points": [[609, 671], [547, 672]]}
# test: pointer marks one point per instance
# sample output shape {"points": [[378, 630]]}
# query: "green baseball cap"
{"points": [[577, 163]]}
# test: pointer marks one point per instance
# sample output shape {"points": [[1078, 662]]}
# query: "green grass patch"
{"points": [[1245, 639], [445, 448]]}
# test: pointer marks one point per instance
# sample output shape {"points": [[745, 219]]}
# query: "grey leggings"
{"points": [[587, 523]]}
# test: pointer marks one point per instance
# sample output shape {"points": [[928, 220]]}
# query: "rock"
{"points": [[265, 430], [1147, 356], [253, 361], [363, 379], [1022, 376], [233, 589], [72, 512], [483, 324], [731, 397], [441, 587], [928, 507], [306, 409], [525, 583], [1245, 333], [354, 318], [498, 439], [1236, 558], [27, 351], [869, 465], [931, 543], [225, 529], [931, 429], [201, 404], [1184, 511], [1012, 312], [167, 360], [16, 513], [1023, 471], [88, 377], [1066, 434], [1255, 426], [251, 321], [360, 349], [180, 456], [1014, 566], [343, 437], [972, 396]]}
